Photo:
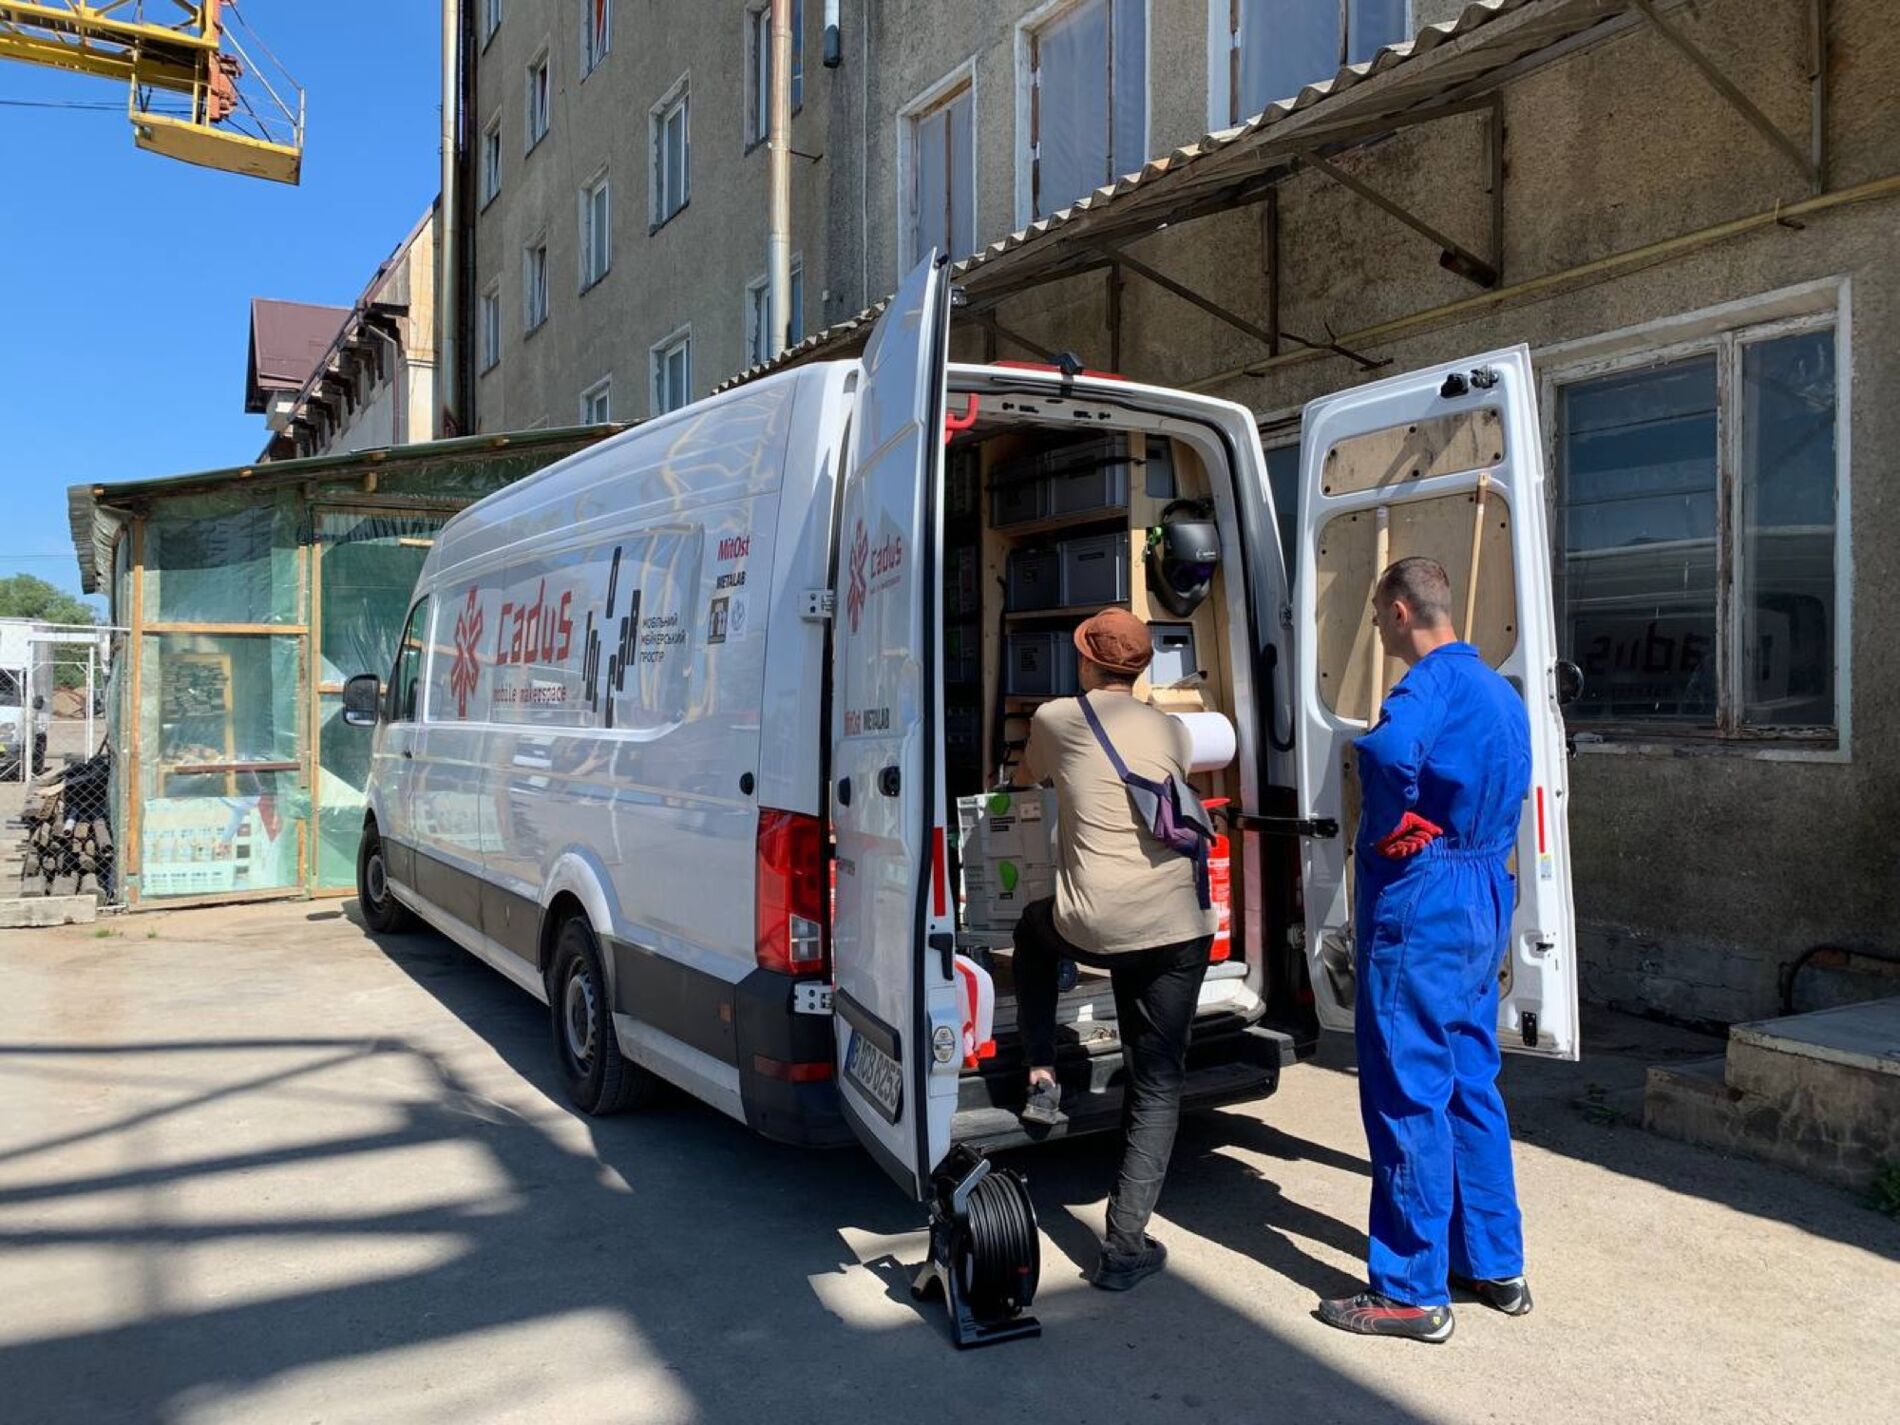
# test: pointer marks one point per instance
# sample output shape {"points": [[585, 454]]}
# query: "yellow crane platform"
{"points": [[236, 115]]}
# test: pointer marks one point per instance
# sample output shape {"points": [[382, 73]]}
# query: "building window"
{"points": [[1698, 581], [596, 403], [596, 243], [758, 31], [538, 96], [672, 153], [940, 163], [534, 284], [673, 372], [758, 315], [597, 25], [491, 160], [1274, 48], [491, 325], [491, 19], [1087, 100]]}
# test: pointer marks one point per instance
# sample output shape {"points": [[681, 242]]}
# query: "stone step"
{"points": [[22, 912], [1819, 1093]]}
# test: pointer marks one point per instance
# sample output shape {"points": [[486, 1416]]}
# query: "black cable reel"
{"points": [[985, 1254]]}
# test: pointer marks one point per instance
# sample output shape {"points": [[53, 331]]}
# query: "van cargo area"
{"points": [[1044, 524]]}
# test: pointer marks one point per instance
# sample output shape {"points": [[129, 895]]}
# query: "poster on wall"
{"points": [[193, 846]]}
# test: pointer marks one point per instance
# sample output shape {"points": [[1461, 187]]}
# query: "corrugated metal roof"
{"points": [[90, 508], [1442, 63]]}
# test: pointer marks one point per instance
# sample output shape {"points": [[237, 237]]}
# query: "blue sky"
{"points": [[129, 276]]}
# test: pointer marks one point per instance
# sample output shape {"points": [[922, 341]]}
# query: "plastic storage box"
{"points": [[1090, 475], [1018, 493], [1094, 570], [1039, 665], [1034, 580], [1175, 660]]}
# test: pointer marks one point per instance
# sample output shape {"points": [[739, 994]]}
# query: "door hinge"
{"points": [[1320, 828], [820, 606], [811, 997], [1529, 1024]]}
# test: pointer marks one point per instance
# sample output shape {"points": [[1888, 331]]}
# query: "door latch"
{"points": [[945, 945], [890, 781], [1529, 1025], [811, 997], [820, 605], [1320, 828]]}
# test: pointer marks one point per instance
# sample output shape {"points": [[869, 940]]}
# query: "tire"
{"points": [[599, 1079], [382, 912]]}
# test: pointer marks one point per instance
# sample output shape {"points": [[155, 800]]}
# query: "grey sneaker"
{"points": [[1118, 1271], [1370, 1314], [1511, 1295], [1044, 1104]]}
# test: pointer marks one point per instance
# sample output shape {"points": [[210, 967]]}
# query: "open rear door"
{"points": [[1446, 462], [899, 1052]]}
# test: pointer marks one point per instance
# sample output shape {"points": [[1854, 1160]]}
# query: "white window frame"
{"points": [[1224, 39], [758, 77], [491, 160], [757, 300], [602, 388], [679, 96], [595, 265], [542, 63], [922, 107], [1026, 29], [590, 56], [491, 20], [529, 325], [489, 320], [657, 358], [1723, 330]]}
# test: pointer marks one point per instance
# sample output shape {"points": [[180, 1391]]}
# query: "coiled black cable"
{"points": [[1002, 1255]]}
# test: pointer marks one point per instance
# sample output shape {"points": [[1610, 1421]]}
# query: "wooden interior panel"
{"points": [[1440, 528], [1398, 455]]}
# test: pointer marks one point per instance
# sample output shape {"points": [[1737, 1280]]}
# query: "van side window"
{"points": [[407, 677]]}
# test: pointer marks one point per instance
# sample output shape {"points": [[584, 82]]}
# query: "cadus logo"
{"points": [[858, 589], [467, 667]]}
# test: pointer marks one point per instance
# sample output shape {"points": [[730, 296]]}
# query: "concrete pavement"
{"points": [[256, 1166]]}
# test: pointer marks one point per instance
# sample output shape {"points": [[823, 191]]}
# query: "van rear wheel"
{"points": [[599, 1079], [382, 912]]}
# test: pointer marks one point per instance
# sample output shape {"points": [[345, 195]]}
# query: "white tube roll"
{"points": [[1211, 737]]}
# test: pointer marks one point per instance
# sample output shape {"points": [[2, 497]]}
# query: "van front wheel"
{"points": [[598, 1077]]}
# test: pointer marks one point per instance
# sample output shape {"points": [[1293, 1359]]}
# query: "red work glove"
{"points": [[1412, 836]]}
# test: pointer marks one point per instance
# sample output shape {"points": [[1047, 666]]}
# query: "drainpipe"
{"points": [[448, 271], [778, 241], [834, 45]]}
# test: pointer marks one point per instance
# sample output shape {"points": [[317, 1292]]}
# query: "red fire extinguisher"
{"points": [[1220, 890]]}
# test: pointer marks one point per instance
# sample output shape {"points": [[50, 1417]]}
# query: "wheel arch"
{"points": [[575, 885]]}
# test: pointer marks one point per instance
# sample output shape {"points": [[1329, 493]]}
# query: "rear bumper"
{"points": [[1228, 1062]]}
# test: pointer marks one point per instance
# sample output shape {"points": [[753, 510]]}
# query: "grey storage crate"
{"points": [[1034, 580], [961, 653], [1090, 476], [1040, 665], [1094, 570], [962, 580], [1019, 493]]}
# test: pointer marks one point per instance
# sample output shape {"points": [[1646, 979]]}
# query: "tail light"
{"points": [[790, 926]]}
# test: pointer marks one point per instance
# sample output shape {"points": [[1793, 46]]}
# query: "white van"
{"points": [[676, 730]]}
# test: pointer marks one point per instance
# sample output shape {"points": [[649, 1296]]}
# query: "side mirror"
{"points": [[362, 700], [1569, 682]]}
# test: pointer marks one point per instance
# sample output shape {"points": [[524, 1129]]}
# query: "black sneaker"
{"points": [[1044, 1104], [1370, 1314], [1511, 1295], [1118, 1271]]}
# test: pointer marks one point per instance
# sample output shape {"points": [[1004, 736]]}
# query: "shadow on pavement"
{"points": [[718, 1252]]}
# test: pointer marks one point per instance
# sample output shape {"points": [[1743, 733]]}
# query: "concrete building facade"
{"points": [[1687, 212]]}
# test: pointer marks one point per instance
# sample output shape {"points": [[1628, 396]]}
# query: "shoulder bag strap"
{"points": [[1101, 736]]}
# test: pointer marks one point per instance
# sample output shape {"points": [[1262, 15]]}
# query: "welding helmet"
{"points": [[1183, 553]]}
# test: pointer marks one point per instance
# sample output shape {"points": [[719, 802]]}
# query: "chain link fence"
{"points": [[58, 790]]}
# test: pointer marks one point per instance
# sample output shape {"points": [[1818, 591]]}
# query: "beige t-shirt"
{"points": [[1117, 888]]}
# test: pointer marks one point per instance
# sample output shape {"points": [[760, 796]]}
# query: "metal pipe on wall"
{"points": [[778, 242], [448, 274], [834, 42]]}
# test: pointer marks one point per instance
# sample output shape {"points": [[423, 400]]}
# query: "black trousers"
{"points": [[1155, 994]]}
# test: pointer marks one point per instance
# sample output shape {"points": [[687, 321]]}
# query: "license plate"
{"points": [[876, 1075]]}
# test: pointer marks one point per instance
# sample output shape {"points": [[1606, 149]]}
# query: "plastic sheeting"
{"points": [[224, 558]]}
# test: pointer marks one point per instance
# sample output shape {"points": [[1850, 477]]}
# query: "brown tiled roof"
{"points": [[288, 339]]}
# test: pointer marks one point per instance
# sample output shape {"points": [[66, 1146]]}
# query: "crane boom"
{"points": [[234, 117]]}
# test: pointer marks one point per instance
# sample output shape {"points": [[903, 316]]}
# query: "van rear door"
{"points": [[892, 924], [1447, 462]]}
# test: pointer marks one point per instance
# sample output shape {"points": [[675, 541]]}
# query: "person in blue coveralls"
{"points": [[1444, 774]]}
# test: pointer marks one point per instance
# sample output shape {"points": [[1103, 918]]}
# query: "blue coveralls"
{"points": [[1453, 745]]}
